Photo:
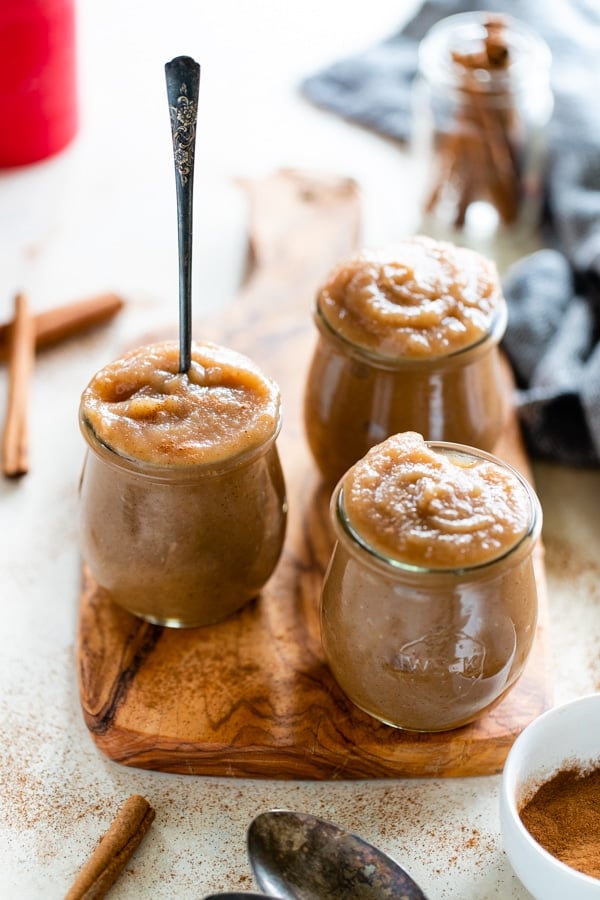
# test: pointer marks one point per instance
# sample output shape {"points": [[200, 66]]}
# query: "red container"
{"points": [[38, 93]]}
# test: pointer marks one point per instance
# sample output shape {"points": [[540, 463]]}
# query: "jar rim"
{"points": [[375, 556], [494, 334], [530, 62], [180, 473]]}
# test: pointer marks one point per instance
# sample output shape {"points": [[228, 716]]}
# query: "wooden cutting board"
{"points": [[252, 696]]}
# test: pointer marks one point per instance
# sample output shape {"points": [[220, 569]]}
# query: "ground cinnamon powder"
{"points": [[564, 817]]}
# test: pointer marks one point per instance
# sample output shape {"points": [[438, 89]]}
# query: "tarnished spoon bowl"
{"points": [[239, 895], [296, 856]]}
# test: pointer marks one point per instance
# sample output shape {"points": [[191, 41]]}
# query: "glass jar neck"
{"points": [[175, 473], [457, 37], [357, 546], [456, 358]]}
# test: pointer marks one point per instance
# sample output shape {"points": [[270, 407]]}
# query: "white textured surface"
{"points": [[101, 217]]}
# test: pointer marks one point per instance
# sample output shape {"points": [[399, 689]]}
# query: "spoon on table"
{"points": [[239, 895], [296, 856]]}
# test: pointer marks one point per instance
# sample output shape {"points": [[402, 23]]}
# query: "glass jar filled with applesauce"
{"points": [[429, 603], [182, 496], [482, 101], [408, 340]]}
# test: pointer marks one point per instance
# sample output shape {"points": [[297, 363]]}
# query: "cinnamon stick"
{"points": [[70, 320], [114, 850], [21, 352], [477, 158]]}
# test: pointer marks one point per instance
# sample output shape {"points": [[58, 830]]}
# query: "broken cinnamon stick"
{"points": [[70, 320], [21, 352], [114, 850]]}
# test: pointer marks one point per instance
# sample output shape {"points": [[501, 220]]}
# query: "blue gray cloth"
{"points": [[553, 337]]}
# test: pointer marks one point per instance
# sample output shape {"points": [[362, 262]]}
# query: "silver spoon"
{"points": [[297, 856], [183, 84]]}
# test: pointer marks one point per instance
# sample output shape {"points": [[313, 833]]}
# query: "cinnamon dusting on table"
{"points": [[21, 343], [114, 850]]}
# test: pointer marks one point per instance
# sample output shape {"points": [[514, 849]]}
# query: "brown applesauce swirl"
{"points": [[421, 298], [424, 508], [143, 408]]}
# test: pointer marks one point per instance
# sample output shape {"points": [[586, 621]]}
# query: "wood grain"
{"points": [[252, 696]]}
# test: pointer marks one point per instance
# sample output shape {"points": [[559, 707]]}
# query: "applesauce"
{"points": [[182, 496], [408, 340], [429, 603]]}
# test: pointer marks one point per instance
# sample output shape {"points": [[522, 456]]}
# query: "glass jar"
{"points": [[182, 545], [356, 397], [482, 100], [428, 649]]}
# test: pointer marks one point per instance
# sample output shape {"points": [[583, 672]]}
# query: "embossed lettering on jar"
{"points": [[408, 340], [429, 604], [182, 498]]}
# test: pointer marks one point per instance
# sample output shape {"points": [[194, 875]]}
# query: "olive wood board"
{"points": [[252, 696]]}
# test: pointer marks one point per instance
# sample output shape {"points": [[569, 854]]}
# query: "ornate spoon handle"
{"points": [[183, 84]]}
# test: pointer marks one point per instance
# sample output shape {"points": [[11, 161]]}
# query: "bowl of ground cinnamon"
{"points": [[550, 803]]}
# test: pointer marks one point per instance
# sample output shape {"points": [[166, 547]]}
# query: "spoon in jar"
{"points": [[183, 84], [297, 856]]}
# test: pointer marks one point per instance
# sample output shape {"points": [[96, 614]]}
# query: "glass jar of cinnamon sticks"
{"points": [[482, 102]]}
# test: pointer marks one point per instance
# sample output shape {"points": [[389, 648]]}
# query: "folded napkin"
{"points": [[553, 336]]}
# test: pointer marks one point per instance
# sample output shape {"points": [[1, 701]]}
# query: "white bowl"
{"points": [[564, 736]]}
